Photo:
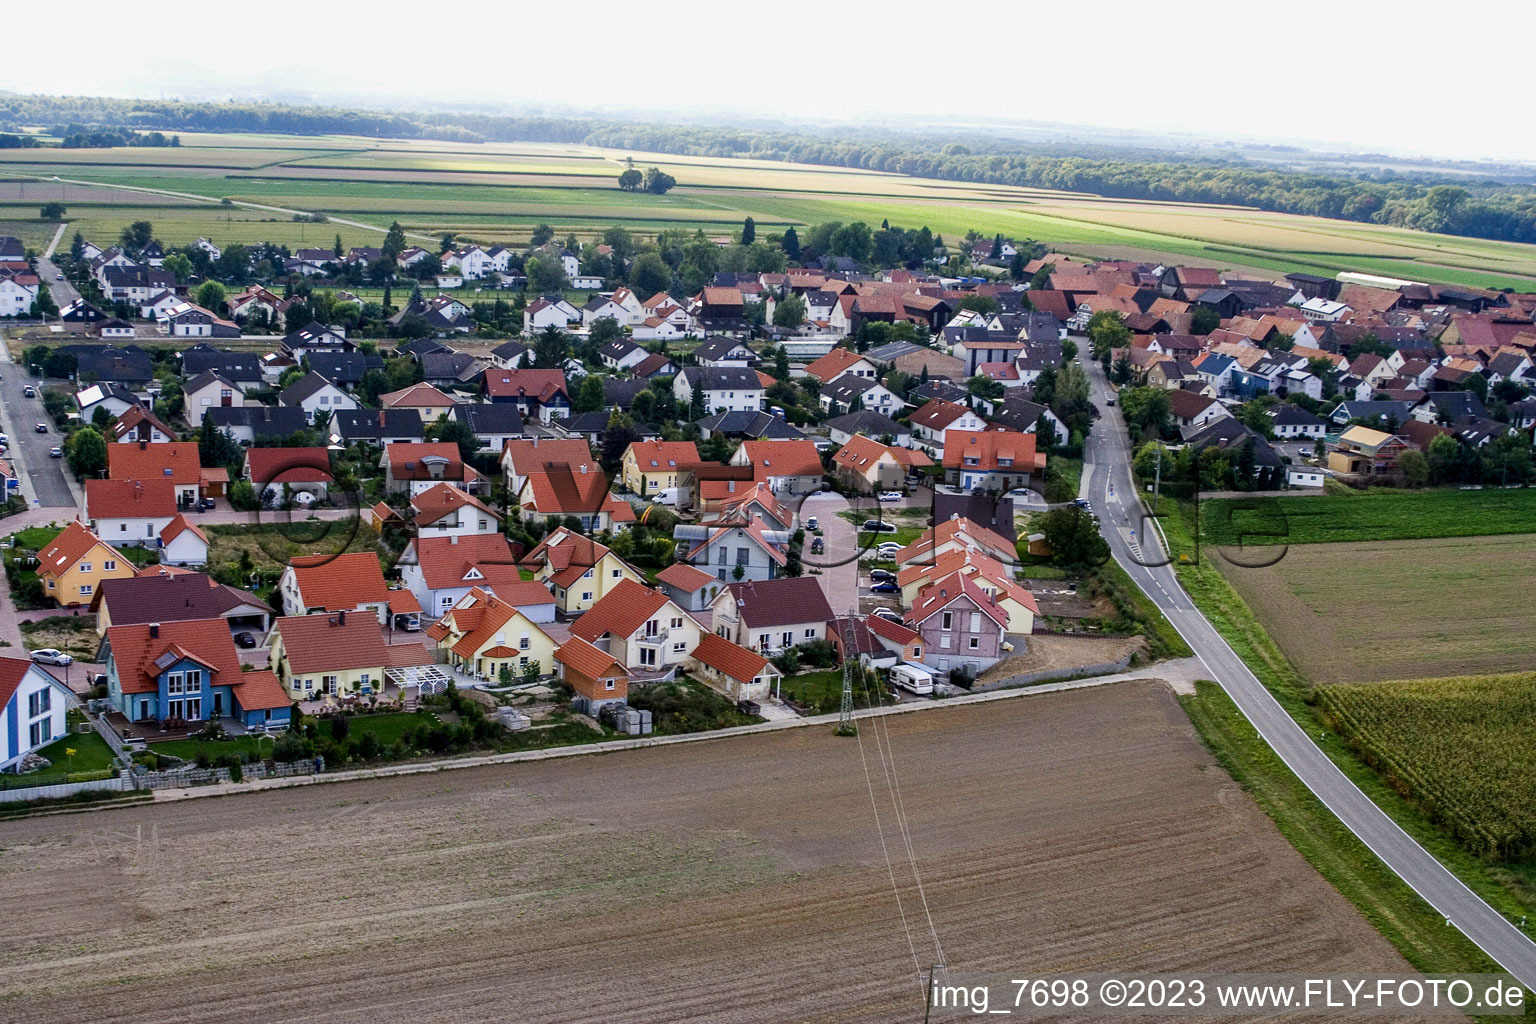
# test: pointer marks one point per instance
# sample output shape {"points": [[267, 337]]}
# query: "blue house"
{"points": [[182, 673], [1245, 385]]}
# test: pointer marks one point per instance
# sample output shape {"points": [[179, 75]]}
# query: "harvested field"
{"points": [[1399, 609], [739, 880], [1063, 653]]}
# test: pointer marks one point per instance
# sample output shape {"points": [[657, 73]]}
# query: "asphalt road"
{"points": [[44, 479], [1107, 465], [63, 291]]}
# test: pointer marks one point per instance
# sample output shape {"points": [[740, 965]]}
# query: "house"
{"points": [[444, 510], [351, 581], [414, 468], [130, 512], [251, 423], [1384, 413], [593, 674], [737, 550], [934, 420], [318, 397], [1293, 422], [174, 461], [842, 361], [545, 312], [425, 400], [491, 639], [651, 466], [180, 673], [186, 320], [1194, 410], [129, 367], [772, 615], [954, 535], [654, 365], [579, 492], [453, 369], [139, 424], [32, 710], [991, 460], [276, 474], [962, 628], [869, 466], [869, 424], [256, 298], [161, 595], [693, 589], [641, 629], [787, 467], [899, 642], [316, 337], [378, 426], [618, 353], [77, 312], [75, 563], [1324, 310], [754, 425], [317, 656], [211, 389], [183, 543], [721, 388], [344, 369], [1365, 452], [579, 570], [538, 394], [993, 577], [737, 672], [440, 570], [849, 392], [116, 400], [524, 455]]}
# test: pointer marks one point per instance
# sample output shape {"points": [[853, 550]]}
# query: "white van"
{"points": [[666, 496], [912, 677]]}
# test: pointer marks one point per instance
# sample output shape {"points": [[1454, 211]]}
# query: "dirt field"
{"points": [[734, 881], [1401, 609], [1063, 652]]}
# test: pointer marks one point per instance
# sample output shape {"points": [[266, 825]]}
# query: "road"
{"points": [[44, 476], [1107, 465]]}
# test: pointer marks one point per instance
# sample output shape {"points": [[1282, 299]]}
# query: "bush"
{"points": [[339, 729], [291, 746]]}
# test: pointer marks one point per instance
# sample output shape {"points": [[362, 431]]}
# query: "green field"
{"points": [[498, 192], [1463, 749], [1367, 516]]}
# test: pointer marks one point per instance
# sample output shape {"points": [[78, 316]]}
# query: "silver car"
{"points": [[50, 656]]}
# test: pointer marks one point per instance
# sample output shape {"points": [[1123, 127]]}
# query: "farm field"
{"points": [[1379, 610], [746, 895], [498, 192], [1463, 749], [1386, 514]]}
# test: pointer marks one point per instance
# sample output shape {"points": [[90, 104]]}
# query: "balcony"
{"points": [[653, 639]]}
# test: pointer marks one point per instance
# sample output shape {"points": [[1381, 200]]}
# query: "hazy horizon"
{"points": [[1195, 75]]}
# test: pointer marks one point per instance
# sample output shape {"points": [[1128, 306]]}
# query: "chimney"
{"points": [[454, 539], [154, 631], [341, 617], [143, 446], [583, 469]]}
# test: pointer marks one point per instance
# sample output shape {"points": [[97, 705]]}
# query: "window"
{"points": [[329, 683], [109, 565], [365, 679], [523, 643], [607, 684], [194, 680], [309, 684], [743, 556], [680, 647], [175, 709], [617, 573], [586, 595], [677, 623], [975, 642], [975, 622], [786, 638], [587, 575], [522, 663], [917, 654], [174, 683], [946, 621], [40, 703], [194, 708], [85, 566], [41, 732], [810, 634], [723, 556]]}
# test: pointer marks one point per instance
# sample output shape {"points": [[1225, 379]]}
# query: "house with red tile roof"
{"points": [[443, 510], [175, 461], [538, 394], [130, 512], [32, 710], [521, 456], [954, 533], [738, 673], [417, 466], [692, 589], [425, 400], [596, 677], [869, 466], [580, 492], [961, 626], [772, 615], [789, 467], [183, 543], [932, 422], [440, 570], [904, 643], [329, 655], [139, 424], [993, 577], [351, 581], [181, 673], [757, 548], [640, 628], [579, 570], [486, 636], [650, 466], [744, 504], [282, 472], [840, 361], [76, 562], [991, 460]]}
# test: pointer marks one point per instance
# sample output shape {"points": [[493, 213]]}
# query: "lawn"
{"points": [[1358, 612], [75, 635], [270, 546], [35, 538], [91, 754], [822, 692], [1463, 749], [387, 727], [1368, 516], [250, 747]]}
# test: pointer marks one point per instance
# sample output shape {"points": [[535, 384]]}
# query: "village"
{"points": [[576, 501]]}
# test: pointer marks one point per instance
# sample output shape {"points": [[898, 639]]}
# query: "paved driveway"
{"points": [[839, 562]]}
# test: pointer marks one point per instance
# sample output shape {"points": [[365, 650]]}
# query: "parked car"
{"points": [[890, 495], [912, 677], [813, 524], [246, 640], [885, 588], [882, 576], [29, 391], [56, 452], [888, 614], [817, 547], [876, 526], [42, 428], [205, 504], [888, 549], [4, 439], [58, 277], [408, 623], [50, 656]]}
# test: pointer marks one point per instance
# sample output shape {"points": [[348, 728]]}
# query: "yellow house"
{"points": [[651, 466], [578, 569], [75, 562], [334, 654], [424, 399], [484, 635]]}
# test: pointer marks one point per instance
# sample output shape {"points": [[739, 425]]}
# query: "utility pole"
{"points": [[845, 726], [1157, 477]]}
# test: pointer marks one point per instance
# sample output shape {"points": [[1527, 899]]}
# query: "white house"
{"points": [[130, 511], [315, 394], [542, 313], [771, 616], [182, 543], [32, 707], [725, 388], [18, 293], [212, 390]]}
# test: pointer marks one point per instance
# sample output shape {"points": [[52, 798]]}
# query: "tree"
{"points": [[790, 243], [44, 305], [178, 264], [336, 248], [748, 230], [53, 211], [394, 242], [137, 235], [1203, 320], [589, 396], [235, 263], [545, 275], [542, 234], [87, 452], [997, 248], [630, 179], [1148, 412], [210, 295], [983, 386], [1073, 535], [448, 429], [658, 182], [412, 325], [649, 275], [780, 359], [1107, 331], [1042, 277], [1016, 266], [77, 247], [1414, 466], [789, 312], [979, 303], [1123, 370], [217, 448], [551, 348]]}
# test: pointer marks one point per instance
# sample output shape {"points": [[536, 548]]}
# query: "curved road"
{"points": [[1106, 464]]}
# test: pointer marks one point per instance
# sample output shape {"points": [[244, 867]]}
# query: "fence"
{"points": [[1052, 675], [62, 789]]}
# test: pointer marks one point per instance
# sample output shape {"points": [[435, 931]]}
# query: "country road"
{"points": [[1107, 463]]}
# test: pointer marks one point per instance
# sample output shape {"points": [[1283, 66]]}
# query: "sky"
{"points": [[1359, 75]]}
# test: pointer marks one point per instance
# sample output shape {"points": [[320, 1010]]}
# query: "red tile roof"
{"points": [[12, 671], [417, 396], [953, 529], [445, 564], [577, 654], [487, 617], [732, 659], [176, 527], [663, 455], [437, 501], [260, 691], [562, 491], [1004, 450], [341, 581], [832, 364], [620, 612], [568, 555], [175, 461], [685, 577], [529, 455], [207, 641], [319, 643], [892, 631], [937, 414], [72, 543], [130, 499], [941, 595], [288, 465], [781, 458], [539, 384]]}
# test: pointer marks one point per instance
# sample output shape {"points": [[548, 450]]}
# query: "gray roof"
{"points": [[755, 425], [1379, 411], [1230, 432], [720, 378], [236, 366], [492, 419], [126, 365], [995, 514], [302, 389], [1295, 416], [717, 346], [846, 388], [345, 368], [621, 391], [263, 420], [869, 423], [509, 350], [372, 424]]}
